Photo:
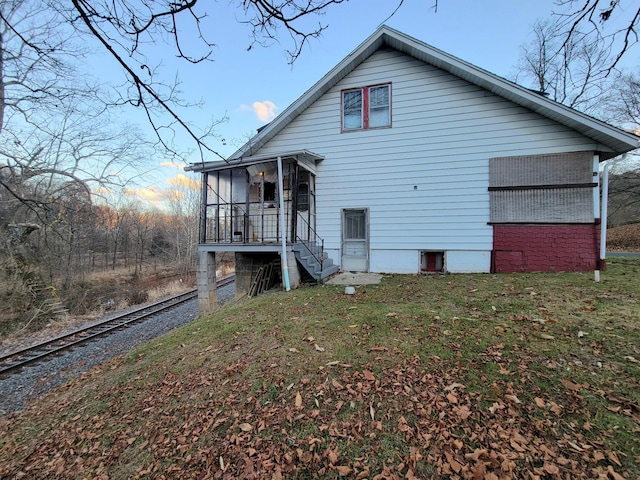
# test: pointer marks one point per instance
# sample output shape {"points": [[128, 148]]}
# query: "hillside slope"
{"points": [[624, 239]]}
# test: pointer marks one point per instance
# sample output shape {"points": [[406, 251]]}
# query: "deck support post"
{"points": [[207, 285]]}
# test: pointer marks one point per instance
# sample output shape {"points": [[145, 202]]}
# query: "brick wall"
{"points": [[545, 248]]}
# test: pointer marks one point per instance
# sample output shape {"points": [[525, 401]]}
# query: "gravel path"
{"points": [[31, 382]]}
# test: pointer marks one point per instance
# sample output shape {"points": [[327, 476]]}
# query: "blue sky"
{"points": [[250, 87]]}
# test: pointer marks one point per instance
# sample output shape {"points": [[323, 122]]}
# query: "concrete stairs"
{"points": [[310, 255]]}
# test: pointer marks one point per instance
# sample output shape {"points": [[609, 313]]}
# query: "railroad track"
{"points": [[14, 361]]}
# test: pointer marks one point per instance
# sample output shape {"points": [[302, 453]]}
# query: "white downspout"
{"points": [[603, 221], [283, 232]]}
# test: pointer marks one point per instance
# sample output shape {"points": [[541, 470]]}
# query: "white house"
{"points": [[405, 159]]}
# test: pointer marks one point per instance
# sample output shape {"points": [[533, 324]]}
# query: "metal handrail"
{"points": [[316, 240]]}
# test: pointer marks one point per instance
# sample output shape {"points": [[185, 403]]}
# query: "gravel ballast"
{"points": [[33, 381]]}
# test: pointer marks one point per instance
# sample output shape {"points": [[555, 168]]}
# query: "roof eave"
{"points": [[299, 155]]}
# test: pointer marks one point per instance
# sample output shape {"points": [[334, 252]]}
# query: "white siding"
{"points": [[425, 179]]}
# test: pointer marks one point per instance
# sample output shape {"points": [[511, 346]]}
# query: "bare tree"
{"points": [[627, 104], [570, 72], [624, 197], [125, 28], [615, 22], [38, 55]]}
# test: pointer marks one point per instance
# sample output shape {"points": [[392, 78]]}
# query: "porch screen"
{"points": [[554, 188]]}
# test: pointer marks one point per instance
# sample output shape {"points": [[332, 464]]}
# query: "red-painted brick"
{"points": [[545, 248]]}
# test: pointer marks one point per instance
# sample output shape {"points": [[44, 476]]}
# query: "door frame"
{"points": [[343, 212]]}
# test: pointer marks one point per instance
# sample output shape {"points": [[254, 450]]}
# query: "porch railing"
{"points": [[244, 228], [313, 244]]}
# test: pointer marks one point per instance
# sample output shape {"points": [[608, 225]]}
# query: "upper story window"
{"points": [[366, 107]]}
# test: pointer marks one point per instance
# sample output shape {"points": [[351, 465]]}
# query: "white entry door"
{"points": [[355, 240]]}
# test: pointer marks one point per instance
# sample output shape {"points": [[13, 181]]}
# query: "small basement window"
{"points": [[431, 262]]}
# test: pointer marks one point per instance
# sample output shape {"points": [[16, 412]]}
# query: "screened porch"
{"points": [[257, 203]]}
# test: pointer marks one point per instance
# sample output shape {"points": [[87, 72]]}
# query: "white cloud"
{"points": [[265, 111], [181, 180], [172, 165]]}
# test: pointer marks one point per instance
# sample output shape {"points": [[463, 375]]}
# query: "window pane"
{"points": [[212, 188], [379, 96], [224, 186], [355, 227], [352, 109], [379, 117], [239, 186], [379, 108]]}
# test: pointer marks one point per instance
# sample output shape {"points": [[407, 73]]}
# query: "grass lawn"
{"points": [[452, 376]]}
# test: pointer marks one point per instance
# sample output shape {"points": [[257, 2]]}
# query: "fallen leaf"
{"points": [[336, 384], [343, 470], [551, 469], [614, 458], [378, 349], [570, 385], [632, 359], [368, 375], [318, 347], [245, 427], [293, 350], [545, 336], [517, 447], [372, 412], [555, 408], [477, 453], [575, 447], [540, 402], [613, 473], [513, 398], [453, 386], [463, 412], [391, 315], [455, 466], [298, 400]]}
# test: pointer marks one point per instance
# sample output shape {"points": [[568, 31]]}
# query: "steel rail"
{"points": [[35, 353]]}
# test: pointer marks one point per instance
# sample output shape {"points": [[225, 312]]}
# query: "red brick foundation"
{"points": [[545, 248]]}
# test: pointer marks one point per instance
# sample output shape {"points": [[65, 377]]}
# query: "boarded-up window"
{"points": [[542, 188]]}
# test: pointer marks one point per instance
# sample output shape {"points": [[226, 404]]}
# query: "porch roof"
{"points": [[305, 158]]}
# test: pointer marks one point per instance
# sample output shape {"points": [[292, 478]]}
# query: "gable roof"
{"points": [[611, 137]]}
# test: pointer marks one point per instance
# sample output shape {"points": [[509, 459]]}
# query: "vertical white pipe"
{"points": [[283, 232], [603, 220]]}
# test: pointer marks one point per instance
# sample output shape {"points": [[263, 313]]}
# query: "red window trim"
{"points": [[365, 106]]}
